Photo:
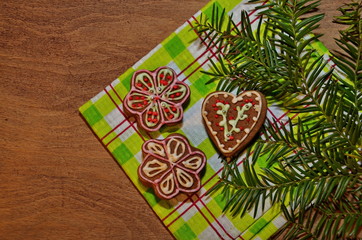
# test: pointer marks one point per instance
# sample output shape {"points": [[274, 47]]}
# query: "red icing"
{"points": [[141, 100], [224, 135]]}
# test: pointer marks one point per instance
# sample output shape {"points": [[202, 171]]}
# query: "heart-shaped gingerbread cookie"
{"points": [[232, 121]]}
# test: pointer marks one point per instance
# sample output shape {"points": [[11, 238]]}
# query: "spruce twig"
{"points": [[314, 161]]}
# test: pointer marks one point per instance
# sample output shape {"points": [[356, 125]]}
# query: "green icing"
{"points": [[165, 106], [224, 122], [166, 73], [156, 94], [153, 109], [141, 79], [181, 89]]}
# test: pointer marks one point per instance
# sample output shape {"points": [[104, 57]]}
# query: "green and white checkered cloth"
{"points": [[195, 216]]}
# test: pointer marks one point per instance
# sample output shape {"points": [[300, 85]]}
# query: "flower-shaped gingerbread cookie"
{"points": [[156, 98], [171, 166]]}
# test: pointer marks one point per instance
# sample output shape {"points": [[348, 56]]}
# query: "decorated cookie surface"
{"points": [[232, 121], [156, 98], [171, 166]]}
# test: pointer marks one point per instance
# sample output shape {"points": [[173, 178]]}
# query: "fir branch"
{"points": [[300, 174], [349, 59], [333, 219], [319, 156]]}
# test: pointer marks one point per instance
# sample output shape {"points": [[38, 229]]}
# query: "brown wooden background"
{"points": [[56, 179]]}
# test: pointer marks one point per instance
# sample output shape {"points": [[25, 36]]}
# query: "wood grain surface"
{"points": [[56, 179]]}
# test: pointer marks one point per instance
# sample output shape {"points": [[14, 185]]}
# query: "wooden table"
{"points": [[56, 179]]}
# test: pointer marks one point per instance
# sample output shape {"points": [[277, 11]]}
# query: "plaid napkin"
{"points": [[197, 216]]}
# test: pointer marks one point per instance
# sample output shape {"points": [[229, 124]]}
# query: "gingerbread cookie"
{"points": [[156, 98], [232, 121], [171, 166]]}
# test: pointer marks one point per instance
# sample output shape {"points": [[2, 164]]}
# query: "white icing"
{"points": [[156, 148], [247, 130], [167, 186], [184, 178], [193, 163], [224, 113], [237, 99], [176, 152], [152, 171], [234, 100]]}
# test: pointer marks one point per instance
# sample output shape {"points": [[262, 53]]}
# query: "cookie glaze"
{"points": [[156, 98], [171, 166], [232, 121]]}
